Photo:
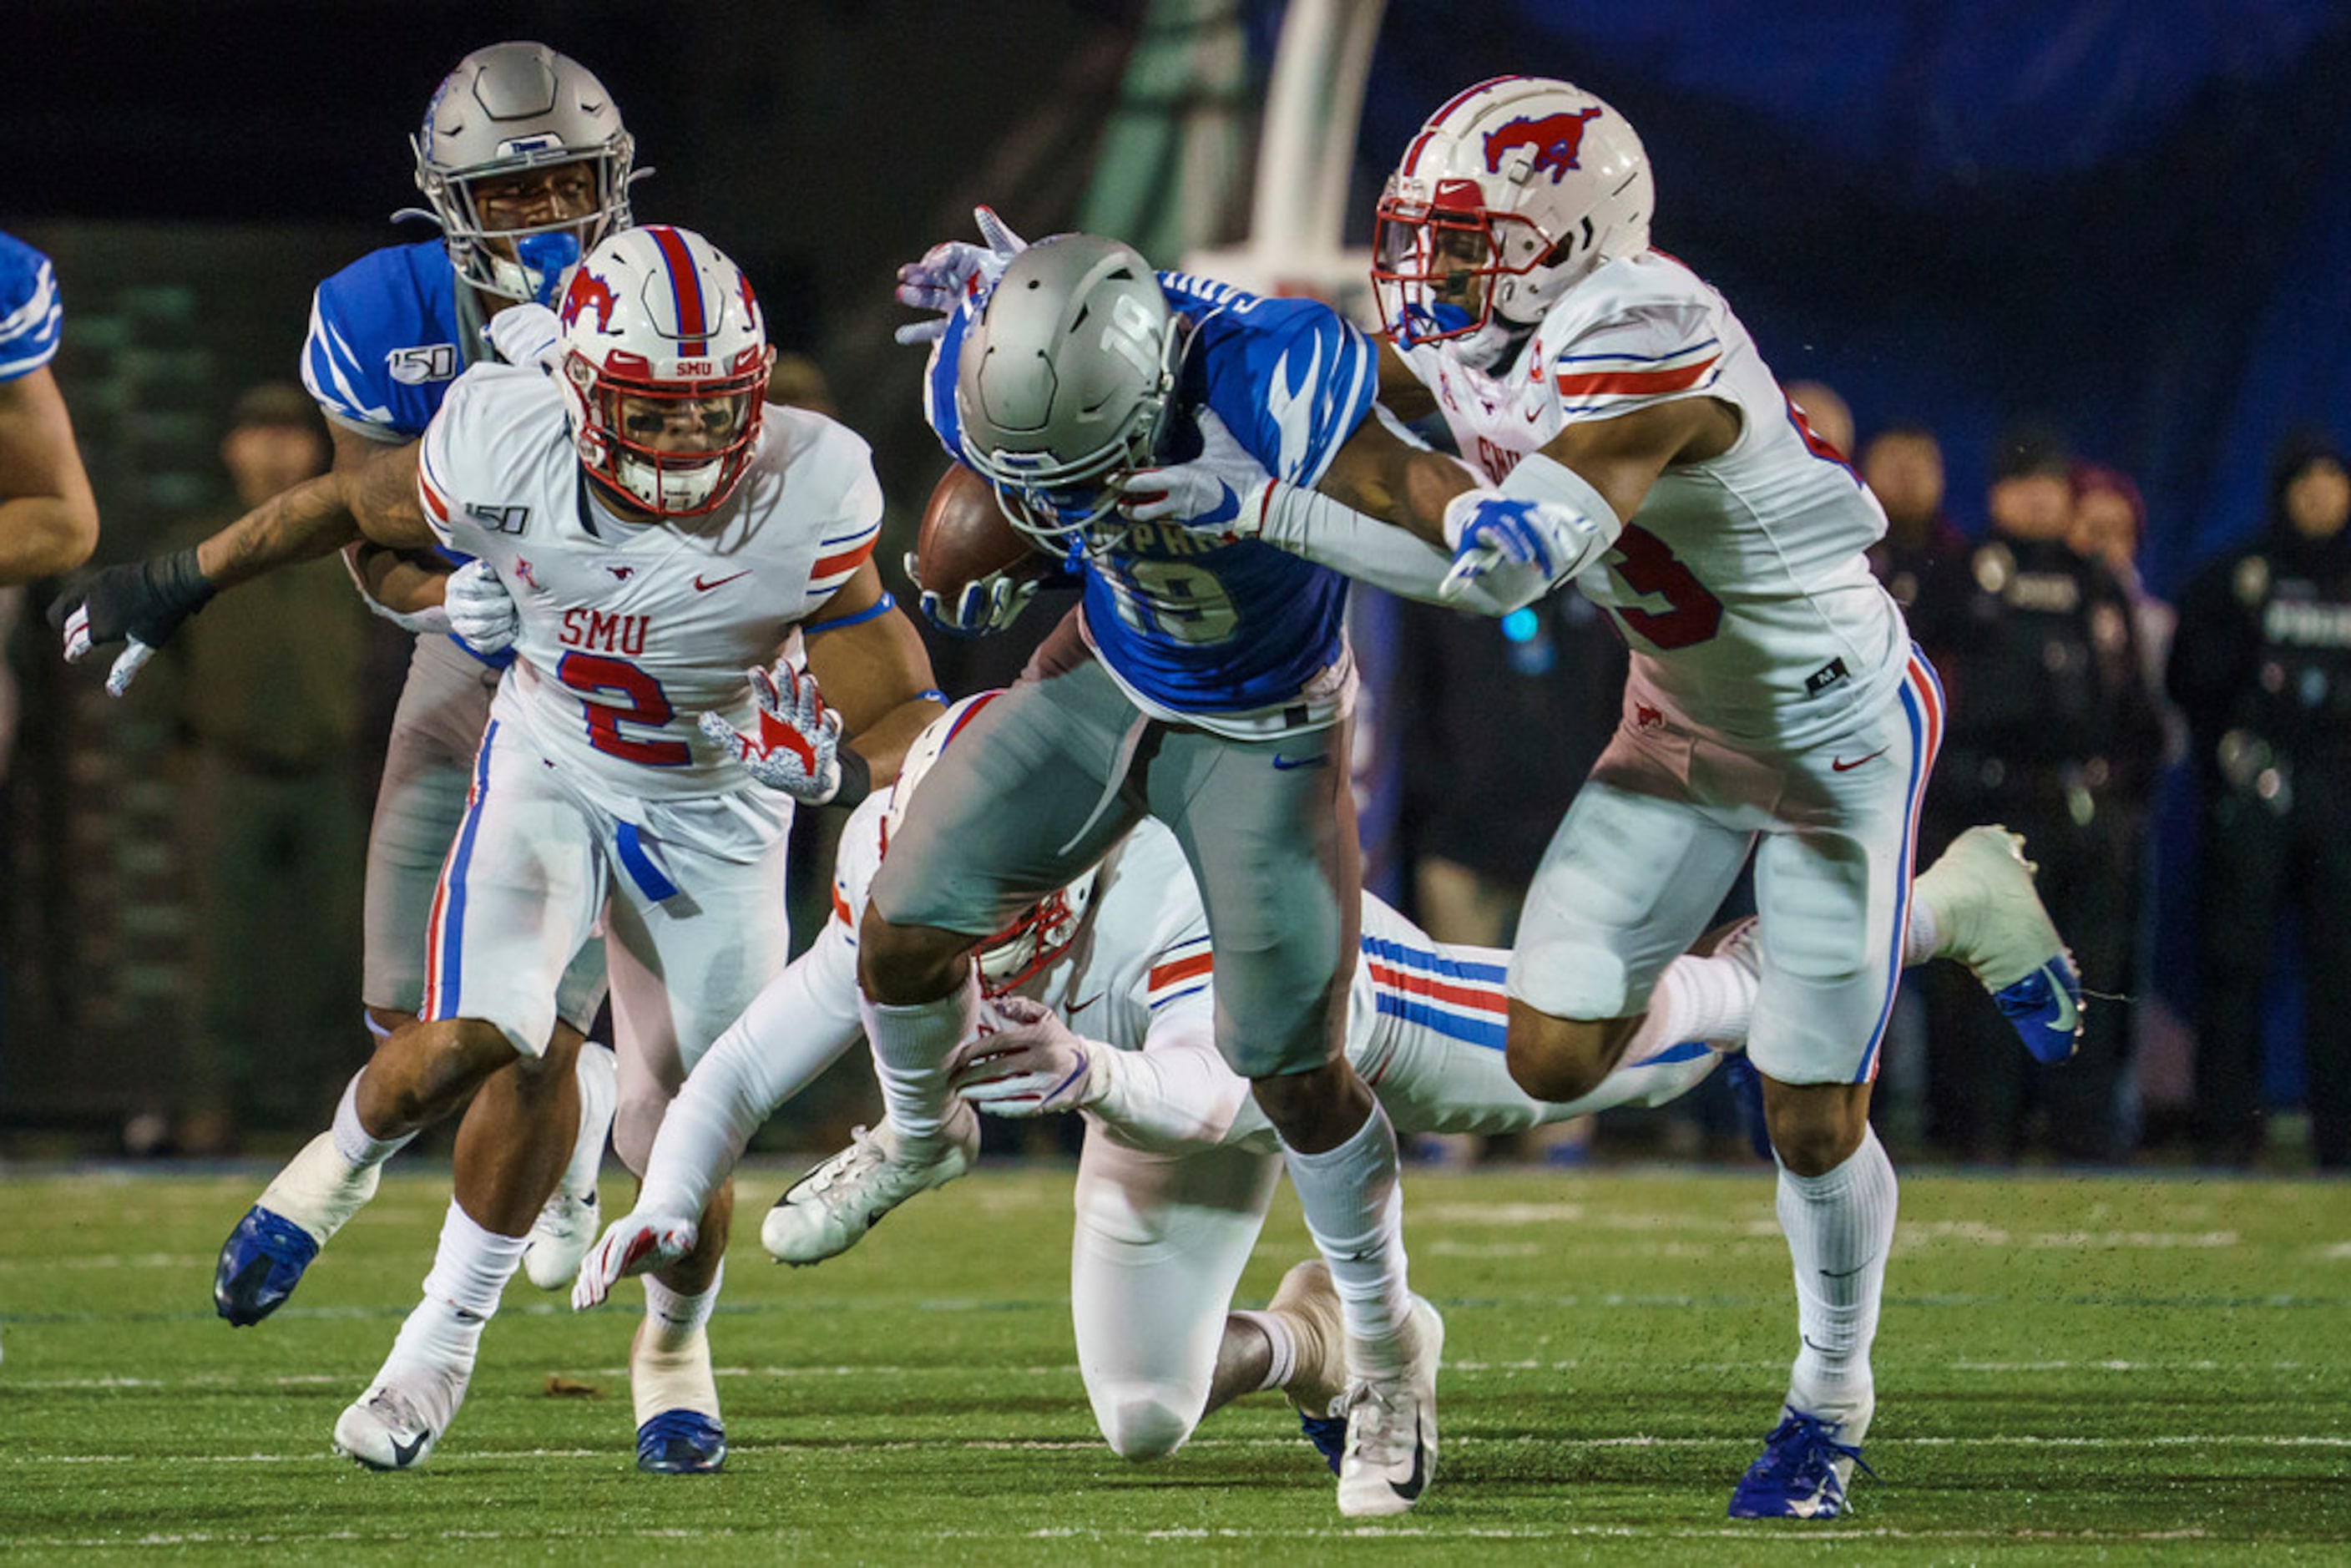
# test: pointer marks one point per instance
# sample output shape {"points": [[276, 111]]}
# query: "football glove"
{"points": [[526, 335], [632, 1244], [141, 604], [798, 749], [947, 272], [983, 607], [1219, 495], [480, 608], [1031, 1064], [1523, 547]]}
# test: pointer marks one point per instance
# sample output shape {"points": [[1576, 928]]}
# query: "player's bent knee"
{"points": [[1149, 1422], [904, 965], [1554, 1058], [1815, 1127]]}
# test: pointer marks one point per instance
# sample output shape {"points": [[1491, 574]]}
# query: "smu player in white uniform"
{"points": [[1623, 432], [640, 534], [1179, 1164], [48, 519], [524, 160]]}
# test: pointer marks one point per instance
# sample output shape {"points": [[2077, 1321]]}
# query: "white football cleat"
{"points": [[1991, 918], [1390, 1452], [829, 1209], [393, 1426], [559, 1237]]}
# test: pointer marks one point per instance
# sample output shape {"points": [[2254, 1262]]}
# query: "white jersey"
{"points": [[1740, 584], [630, 632]]}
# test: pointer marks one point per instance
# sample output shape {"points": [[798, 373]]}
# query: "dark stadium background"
{"points": [[2129, 219]]}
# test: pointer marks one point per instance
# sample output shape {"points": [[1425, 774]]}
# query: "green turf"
{"points": [[2068, 1370]]}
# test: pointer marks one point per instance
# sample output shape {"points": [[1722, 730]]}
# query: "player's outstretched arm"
{"points": [[49, 519]]}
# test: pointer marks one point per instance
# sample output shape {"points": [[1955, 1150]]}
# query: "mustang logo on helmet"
{"points": [[589, 290], [1557, 140]]}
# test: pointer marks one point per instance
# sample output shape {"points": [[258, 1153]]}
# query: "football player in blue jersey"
{"points": [[524, 162], [48, 519], [1205, 683]]}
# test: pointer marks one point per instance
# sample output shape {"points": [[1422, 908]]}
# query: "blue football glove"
{"points": [[1524, 547], [1219, 495], [982, 608], [947, 272]]}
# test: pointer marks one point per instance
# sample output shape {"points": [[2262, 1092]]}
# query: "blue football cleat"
{"points": [[1328, 1434], [260, 1264], [1992, 919], [681, 1443], [1801, 1474], [2045, 1010]]}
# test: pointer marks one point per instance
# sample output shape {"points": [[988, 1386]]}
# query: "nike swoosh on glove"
{"points": [[1219, 495], [1029, 1064]]}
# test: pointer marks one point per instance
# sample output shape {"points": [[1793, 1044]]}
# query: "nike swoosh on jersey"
{"points": [[702, 587], [1839, 765], [1284, 764]]}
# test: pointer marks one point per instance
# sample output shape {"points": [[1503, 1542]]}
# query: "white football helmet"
{"points": [[665, 367], [1508, 196], [508, 109], [1025, 949]]}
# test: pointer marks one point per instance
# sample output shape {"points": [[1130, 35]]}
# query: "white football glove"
{"points": [[480, 608], [1218, 494], [528, 334], [1032, 1064], [632, 1244], [1523, 547], [985, 605], [798, 749], [433, 618], [947, 272]]}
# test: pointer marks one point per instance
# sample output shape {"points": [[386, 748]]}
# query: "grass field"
{"points": [[2069, 1370]]}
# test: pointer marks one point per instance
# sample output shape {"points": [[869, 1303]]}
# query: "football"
{"points": [[965, 537]]}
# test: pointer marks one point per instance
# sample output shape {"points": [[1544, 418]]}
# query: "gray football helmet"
{"points": [[504, 109], [1062, 384]]}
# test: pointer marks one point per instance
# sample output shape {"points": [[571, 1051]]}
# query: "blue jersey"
{"points": [[1192, 625], [386, 341], [30, 315]]}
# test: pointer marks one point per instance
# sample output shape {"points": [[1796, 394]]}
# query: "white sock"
{"points": [[587, 1162], [470, 1271], [1354, 1210], [352, 1139], [1840, 1227], [669, 1362], [1923, 937], [1284, 1359], [674, 1318], [911, 1045], [1696, 998]]}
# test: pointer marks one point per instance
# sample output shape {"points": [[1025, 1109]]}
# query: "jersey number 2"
{"points": [[589, 674], [1646, 565]]}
